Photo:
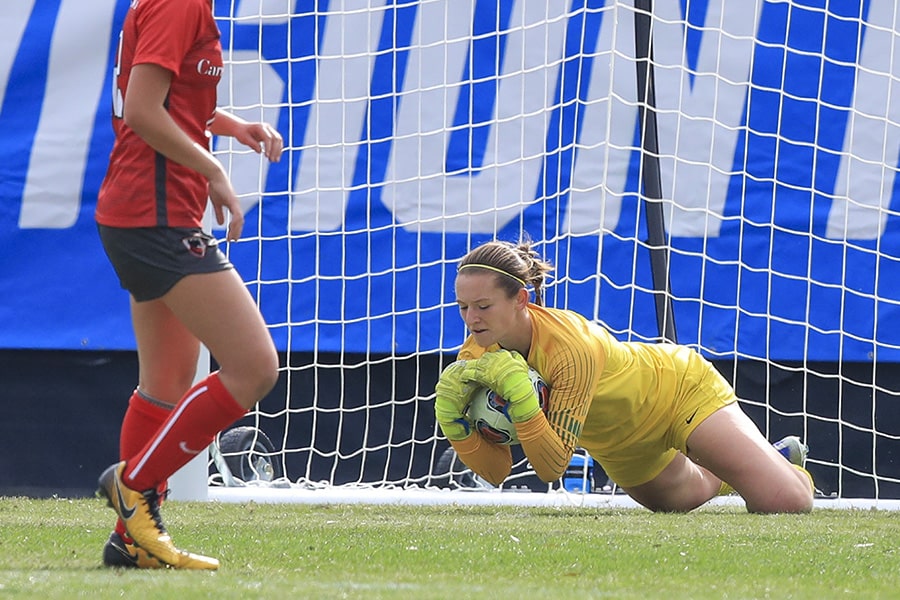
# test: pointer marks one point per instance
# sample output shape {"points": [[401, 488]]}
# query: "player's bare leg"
{"points": [[167, 351], [227, 321], [729, 444], [217, 309], [682, 486], [728, 447], [167, 363]]}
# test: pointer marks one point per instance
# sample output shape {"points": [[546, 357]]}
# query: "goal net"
{"points": [[415, 130]]}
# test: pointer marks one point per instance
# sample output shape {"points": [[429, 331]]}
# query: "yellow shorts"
{"points": [[702, 391]]}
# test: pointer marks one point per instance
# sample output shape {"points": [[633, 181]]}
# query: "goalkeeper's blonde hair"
{"points": [[515, 265]]}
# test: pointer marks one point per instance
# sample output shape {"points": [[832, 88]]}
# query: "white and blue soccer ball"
{"points": [[487, 411]]}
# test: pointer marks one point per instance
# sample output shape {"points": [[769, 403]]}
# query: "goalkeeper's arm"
{"points": [[491, 462], [548, 454], [506, 373]]}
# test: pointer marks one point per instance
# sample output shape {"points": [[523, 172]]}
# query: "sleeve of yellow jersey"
{"points": [[492, 462], [571, 362]]}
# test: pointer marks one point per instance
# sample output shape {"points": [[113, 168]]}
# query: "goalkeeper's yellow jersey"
{"points": [[606, 395]]}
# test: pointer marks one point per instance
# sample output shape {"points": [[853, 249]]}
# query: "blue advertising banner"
{"points": [[415, 130]]}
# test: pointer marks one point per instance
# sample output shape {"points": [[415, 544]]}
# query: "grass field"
{"points": [[51, 549]]}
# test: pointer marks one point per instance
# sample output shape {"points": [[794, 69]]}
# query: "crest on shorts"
{"points": [[196, 244]]}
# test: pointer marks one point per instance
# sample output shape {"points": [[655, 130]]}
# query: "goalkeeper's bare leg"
{"points": [[728, 447]]}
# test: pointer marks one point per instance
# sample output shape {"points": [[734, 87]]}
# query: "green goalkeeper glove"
{"points": [[506, 373], [452, 398]]}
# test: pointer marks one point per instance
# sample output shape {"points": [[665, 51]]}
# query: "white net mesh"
{"points": [[416, 130]]}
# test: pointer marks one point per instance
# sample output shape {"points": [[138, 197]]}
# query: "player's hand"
{"points": [[506, 373], [262, 138], [452, 398], [223, 198]]}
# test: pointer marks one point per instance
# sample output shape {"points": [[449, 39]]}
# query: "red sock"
{"points": [[142, 419], [204, 411]]}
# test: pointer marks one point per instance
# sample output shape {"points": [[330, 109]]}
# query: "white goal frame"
{"points": [[417, 130]]}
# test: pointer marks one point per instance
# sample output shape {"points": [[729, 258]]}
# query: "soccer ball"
{"points": [[487, 412]]}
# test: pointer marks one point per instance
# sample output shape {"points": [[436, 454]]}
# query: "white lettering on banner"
{"points": [[247, 83], [418, 190], [52, 196], [699, 121], [340, 102], [605, 139], [267, 12], [12, 22], [868, 170]]}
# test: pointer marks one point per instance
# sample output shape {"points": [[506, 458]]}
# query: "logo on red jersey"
{"points": [[207, 67]]}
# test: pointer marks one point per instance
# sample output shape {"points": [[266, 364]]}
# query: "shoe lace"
{"points": [[152, 498]]}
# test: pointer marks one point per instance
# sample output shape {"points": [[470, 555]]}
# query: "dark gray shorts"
{"points": [[151, 260]]}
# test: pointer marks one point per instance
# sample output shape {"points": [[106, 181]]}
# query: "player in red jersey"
{"points": [[183, 290], [662, 422]]}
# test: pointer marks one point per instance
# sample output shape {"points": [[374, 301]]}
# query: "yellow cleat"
{"points": [[198, 562], [139, 512]]}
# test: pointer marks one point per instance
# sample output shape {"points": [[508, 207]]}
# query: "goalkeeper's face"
{"points": [[489, 314]]}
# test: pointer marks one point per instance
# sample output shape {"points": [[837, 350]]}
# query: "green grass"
{"points": [[51, 549]]}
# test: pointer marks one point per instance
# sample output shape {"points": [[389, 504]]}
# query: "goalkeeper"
{"points": [[665, 426]]}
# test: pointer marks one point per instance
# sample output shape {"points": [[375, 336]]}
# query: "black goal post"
{"points": [[650, 175]]}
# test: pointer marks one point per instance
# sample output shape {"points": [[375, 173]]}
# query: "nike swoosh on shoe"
{"points": [[124, 510]]}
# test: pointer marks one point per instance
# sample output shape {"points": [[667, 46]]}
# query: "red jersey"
{"points": [[143, 188]]}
